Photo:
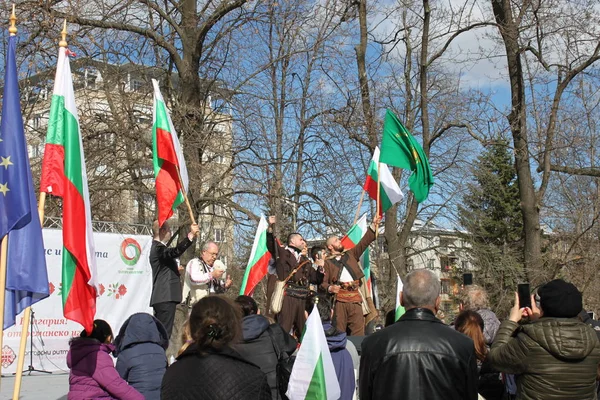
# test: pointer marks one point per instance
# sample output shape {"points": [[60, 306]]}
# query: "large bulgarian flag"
{"points": [[313, 374], [64, 175], [351, 239], [389, 191], [170, 171], [259, 260]]}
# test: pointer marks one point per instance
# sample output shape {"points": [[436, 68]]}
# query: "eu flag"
{"points": [[26, 274]]}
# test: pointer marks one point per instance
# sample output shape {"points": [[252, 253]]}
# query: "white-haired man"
{"points": [[203, 275], [418, 357]]}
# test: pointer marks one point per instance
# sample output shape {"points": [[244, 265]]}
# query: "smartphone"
{"points": [[524, 295], [467, 279]]}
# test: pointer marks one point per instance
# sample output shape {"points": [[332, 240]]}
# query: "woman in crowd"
{"points": [[140, 347], [209, 368], [92, 372], [336, 340], [471, 324]]}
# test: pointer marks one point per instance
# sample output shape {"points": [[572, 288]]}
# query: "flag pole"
{"points": [[3, 250], [26, 319], [4, 245], [378, 198], [187, 202], [362, 195], [41, 205]]}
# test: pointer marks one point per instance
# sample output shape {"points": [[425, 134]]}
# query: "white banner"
{"points": [[125, 281]]}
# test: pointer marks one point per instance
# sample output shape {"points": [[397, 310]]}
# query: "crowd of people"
{"points": [[236, 350]]}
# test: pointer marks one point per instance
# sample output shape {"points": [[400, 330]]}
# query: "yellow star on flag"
{"points": [[5, 162], [4, 188]]}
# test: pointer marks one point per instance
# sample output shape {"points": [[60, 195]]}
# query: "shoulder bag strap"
{"points": [[296, 270], [278, 351]]}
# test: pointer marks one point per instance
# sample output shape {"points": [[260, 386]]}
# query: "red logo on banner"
{"points": [[51, 287], [116, 290], [8, 356], [102, 289]]}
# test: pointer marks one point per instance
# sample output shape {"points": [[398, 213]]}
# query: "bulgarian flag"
{"points": [[167, 157], [64, 175], [351, 239], [259, 260], [399, 308], [389, 191], [313, 374]]}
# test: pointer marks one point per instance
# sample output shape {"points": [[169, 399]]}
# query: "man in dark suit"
{"points": [[418, 357], [166, 286]]}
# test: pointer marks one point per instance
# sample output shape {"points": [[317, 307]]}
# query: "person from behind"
{"points": [[210, 368], [418, 357], [476, 299], [92, 373], [166, 284], [336, 341], [554, 355], [263, 343], [140, 349], [490, 385]]}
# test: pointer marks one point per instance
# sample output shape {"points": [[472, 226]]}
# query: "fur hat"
{"points": [[560, 299], [219, 265]]}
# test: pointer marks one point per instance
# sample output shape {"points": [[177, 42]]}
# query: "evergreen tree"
{"points": [[491, 215]]}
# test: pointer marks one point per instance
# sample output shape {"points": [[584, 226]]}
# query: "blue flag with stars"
{"points": [[26, 273]]}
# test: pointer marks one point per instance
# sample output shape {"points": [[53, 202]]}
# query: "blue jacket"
{"points": [[342, 361], [140, 350]]}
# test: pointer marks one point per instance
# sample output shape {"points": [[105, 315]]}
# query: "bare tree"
{"points": [[528, 30]]}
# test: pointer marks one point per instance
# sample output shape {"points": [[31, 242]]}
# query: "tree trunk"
{"points": [[509, 30]]}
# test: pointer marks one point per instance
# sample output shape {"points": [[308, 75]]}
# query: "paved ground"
{"points": [[37, 387]]}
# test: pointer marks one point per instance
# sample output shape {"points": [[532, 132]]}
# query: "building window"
{"points": [[219, 236], [431, 264], [465, 265], [219, 210], [446, 286], [136, 85], [37, 121], [219, 159]]}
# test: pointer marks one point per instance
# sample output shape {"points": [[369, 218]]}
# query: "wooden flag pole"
{"points": [[4, 245], [3, 250], [187, 202], [362, 195], [27, 313], [378, 198], [26, 319]]}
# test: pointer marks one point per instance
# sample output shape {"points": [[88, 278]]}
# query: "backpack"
{"points": [[283, 370]]}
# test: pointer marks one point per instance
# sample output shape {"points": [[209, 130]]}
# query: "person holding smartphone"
{"points": [[554, 354]]}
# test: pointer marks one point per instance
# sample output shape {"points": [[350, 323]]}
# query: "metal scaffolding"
{"points": [[105, 226]]}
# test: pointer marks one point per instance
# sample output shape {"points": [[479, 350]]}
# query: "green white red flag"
{"points": [[64, 175], [399, 309], [170, 172], [259, 260], [351, 239], [389, 191], [313, 374]]}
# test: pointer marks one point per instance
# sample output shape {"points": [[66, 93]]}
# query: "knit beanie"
{"points": [[560, 299]]}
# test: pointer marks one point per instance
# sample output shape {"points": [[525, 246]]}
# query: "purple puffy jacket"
{"points": [[93, 374]]}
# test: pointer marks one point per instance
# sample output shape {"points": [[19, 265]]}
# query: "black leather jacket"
{"points": [[418, 358]]}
